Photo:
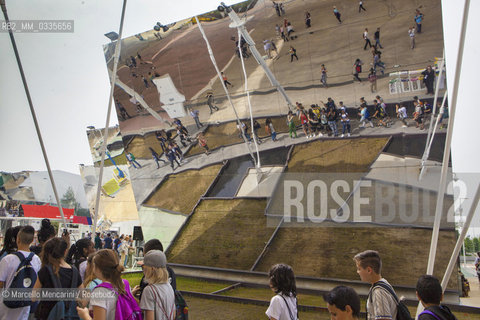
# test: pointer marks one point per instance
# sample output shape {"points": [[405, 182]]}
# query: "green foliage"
{"points": [[468, 243], [476, 244]]}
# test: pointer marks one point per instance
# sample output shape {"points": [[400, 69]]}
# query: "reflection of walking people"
{"points": [[156, 157], [203, 143], [428, 79], [292, 129], [358, 69], [377, 39], [360, 6], [418, 20], [337, 14], [308, 19], [131, 159], [172, 157], [324, 75], [121, 109], [367, 39], [225, 81], [293, 53], [210, 101], [196, 116], [270, 130], [411, 34]]}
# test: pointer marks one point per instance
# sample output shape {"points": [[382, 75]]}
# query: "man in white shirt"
{"points": [[367, 39], [8, 267]]}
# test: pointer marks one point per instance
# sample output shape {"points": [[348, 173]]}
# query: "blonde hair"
{"points": [[155, 275], [106, 261], [89, 274]]}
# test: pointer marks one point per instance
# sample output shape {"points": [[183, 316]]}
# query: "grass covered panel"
{"points": [[180, 192], [223, 233]]}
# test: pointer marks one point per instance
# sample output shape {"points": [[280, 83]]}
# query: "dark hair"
{"points": [[106, 262], [46, 231], [342, 296], [53, 251], [282, 279], [81, 244], [429, 289], [108, 234], [369, 258], [152, 244], [478, 253], [10, 241], [26, 235]]}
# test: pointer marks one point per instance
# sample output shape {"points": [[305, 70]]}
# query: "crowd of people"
{"points": [[97, 266], [343, 302]]}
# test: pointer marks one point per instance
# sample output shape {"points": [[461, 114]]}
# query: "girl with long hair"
{"points": [[123, 305], [54, 266], [284, 304], [158, 298]]}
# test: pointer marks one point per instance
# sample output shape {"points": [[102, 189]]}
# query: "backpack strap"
{"points": [[53, 277], [430, 313], [157, 298], [288, 308], [388, 288], [23, 258]]}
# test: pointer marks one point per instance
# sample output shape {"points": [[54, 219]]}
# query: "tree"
{"points": [[476, 244], [68, 200], [468, 244]]}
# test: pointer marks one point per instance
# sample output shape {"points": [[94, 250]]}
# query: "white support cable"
{"points": [[446, 153], [437, 88], [219, 75], [429, 142], [248, 99], [461, 238], [240, 25], [107, 122], [34, 116]]}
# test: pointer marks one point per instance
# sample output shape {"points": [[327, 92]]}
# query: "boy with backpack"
{"points": [[382, 302], [430, 293], [27, 264]]}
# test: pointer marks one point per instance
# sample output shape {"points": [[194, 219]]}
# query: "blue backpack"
{"points": [[65, 310], [24, 278]]}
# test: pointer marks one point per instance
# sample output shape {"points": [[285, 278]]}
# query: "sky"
{"points": [[69, 84]]}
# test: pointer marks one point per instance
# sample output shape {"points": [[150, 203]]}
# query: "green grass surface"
{"points": [[327, 252], [197, 285], [212, 309], [224, 234], [173, 195]]}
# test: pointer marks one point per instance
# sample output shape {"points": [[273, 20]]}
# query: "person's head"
{"points": [[341, 103], [107, 268], [375, 101], [127, 238], [97, 234], [108, 234], [25, 236], [429, 68], [152, 244], [155, 267], [366, 29], [282, 279], [10, 241], [329, 99], [290, 112], [53, 253], [429, 290], [84, 247], [268, 121], [343, 303], [369, 265], [46, 232], [378, 29], [478, 254]]}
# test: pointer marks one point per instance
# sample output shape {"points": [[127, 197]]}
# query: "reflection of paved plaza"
{"points": [[187, 61]]}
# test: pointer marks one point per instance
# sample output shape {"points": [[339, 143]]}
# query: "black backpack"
{"points": [[24, 278], [65, 310], [402, 311]]}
